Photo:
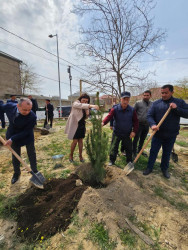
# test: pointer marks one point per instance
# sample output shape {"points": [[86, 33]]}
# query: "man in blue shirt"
{"points": [[166, 134], [20, 132]]}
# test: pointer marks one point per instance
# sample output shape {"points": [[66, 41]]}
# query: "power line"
{"points": [[74, 65], [31, 52], [43, 49], [36, 74], [169, 59]]}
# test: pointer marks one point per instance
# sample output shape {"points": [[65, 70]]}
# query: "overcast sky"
{"points": [[34, 20]]}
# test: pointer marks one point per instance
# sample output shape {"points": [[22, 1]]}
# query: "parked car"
{"points": [[65, 111], [41, 109]]}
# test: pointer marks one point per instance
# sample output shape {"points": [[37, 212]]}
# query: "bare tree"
{"points": [[29, 79], [116, 34], [181, 90]]}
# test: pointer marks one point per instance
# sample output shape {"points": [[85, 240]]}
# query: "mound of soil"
{"points": [[45, 212]]}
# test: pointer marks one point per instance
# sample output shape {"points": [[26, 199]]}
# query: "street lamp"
{"points": [[51, 36], [70, 77]]}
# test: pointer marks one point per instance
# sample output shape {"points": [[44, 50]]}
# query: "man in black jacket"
{"points": [[49, 113], [20, 132], [34, 105]]}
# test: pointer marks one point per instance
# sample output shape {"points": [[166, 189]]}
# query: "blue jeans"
{"points": [[167, 145]]}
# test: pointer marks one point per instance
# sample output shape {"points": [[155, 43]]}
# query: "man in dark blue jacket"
{"points": [[12, 99], [2, 116], [20, 132], [166, 134], [125, 127]]}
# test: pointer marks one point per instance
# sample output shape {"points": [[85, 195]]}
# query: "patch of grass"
{"points": [[54, 148], [72, 232], [2, 198], [2, 184], [142, 162], [151, 231], [60, 123], [182, 143], [98, 234], [65, 173], [121, 161], [75, 219], [161, 193], [48, 174], [145, 228], [7, 207], [128, 239], [184, 180], [4, 170], [182, 206], [80, 246]]}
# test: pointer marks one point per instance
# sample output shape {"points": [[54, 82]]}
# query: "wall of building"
{"points": [[10, 82]]}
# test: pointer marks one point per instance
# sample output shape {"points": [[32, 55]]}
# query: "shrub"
{"points": [[97, 145]]}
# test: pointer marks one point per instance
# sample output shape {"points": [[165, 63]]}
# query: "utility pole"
{"points": [[80, 87], [51, 36], [70, 78], [112, 93]]}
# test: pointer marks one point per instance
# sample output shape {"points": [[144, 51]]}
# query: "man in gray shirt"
{"points": [[142, 108]]}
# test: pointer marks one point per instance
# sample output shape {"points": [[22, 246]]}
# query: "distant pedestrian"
{"points": [[49, 112], [34, 106], [2, 116], [75, 127], [166, 134], [125, 127], [12, 99], [142, 108]]}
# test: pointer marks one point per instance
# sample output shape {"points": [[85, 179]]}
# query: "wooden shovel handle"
{"points": [[149, 139], [16, 155]]}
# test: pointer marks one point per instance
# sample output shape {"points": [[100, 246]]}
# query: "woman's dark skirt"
{"points": [[80, 132]]}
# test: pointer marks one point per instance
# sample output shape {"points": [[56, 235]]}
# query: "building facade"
{"points": [[10, 80]]}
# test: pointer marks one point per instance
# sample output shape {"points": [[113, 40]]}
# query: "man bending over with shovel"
{"points": [[20, 132], [125, 127], [166, 134]]}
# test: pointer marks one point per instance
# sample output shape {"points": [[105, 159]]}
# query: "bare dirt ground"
{"points": [[152, 209]]}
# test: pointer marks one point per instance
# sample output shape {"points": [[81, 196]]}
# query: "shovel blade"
{"points": [[129, 168], [37, 179]]}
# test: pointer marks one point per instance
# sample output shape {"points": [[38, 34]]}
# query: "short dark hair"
{"points": [[168, 86], [147, 91], [86, 96]]}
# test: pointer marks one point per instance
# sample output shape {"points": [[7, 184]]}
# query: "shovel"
{"points": [[130, 166], [47, 126], [174, 156], [36, 179]]}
